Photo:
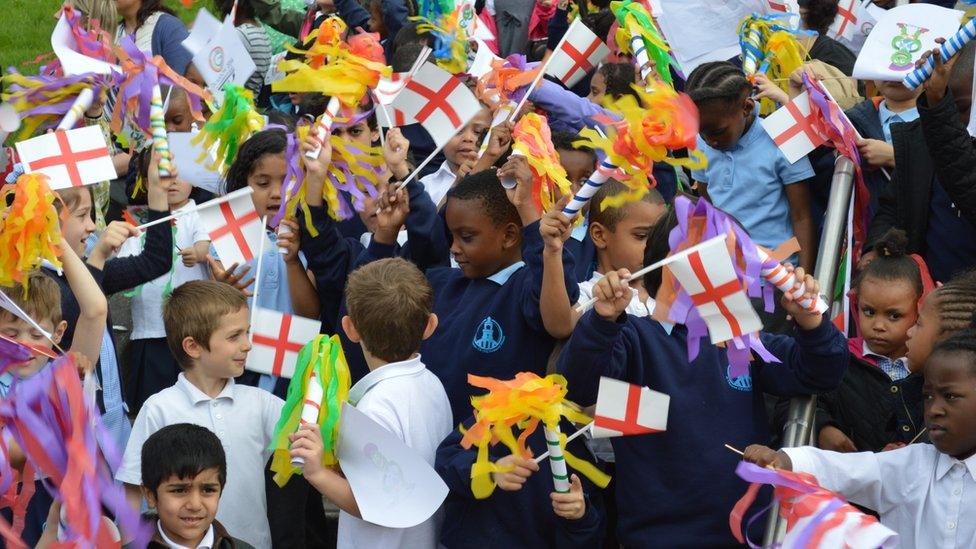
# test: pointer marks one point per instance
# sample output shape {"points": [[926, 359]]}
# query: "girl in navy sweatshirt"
{"points": [[673, 489]]}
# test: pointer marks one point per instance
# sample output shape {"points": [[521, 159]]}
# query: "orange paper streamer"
{"points": [[30, 231]]}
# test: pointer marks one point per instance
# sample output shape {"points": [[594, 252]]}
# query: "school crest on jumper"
{"points": [[741, 383], [488, 337]]}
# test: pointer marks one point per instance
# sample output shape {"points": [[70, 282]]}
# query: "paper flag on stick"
{"points": [[439, 101], [72, 158], [578, 53], [624, 409], [794, 128], [234, 227], [845, 22], [393, 485], [277, 339]]}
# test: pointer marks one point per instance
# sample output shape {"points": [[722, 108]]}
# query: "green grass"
{"points": [[25, 32]]}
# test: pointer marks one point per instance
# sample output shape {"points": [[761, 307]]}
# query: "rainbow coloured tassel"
{"points": [[354, 170], [43, 101], [638, 35], [230, 126], [533, 140], [30, 233], [441, 19]]}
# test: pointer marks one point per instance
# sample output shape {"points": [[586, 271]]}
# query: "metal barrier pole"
{"points": [[799, 425]]}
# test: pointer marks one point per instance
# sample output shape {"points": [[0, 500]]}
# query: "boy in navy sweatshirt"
{"points": [[673, 489], [491, 324]]}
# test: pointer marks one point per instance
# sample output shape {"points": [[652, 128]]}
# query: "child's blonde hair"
{"points": [[194, 310], [42, 301]]}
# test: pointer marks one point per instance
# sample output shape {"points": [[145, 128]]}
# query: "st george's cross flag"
{"points": [[438, 100], [71, 158], [708, 277], [794, 128], [624, 409], [782, 6], [577, 54], [845, 22], [234, 227], [276, 340]]}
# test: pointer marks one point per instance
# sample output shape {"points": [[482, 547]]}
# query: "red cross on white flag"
{"points": [[386, 91], [845, 22], [707, 275], [234, 227], [72, 158], [277, 338], [438, 100], [794, 128], [579, 51], [782, 6], [625, 409]]}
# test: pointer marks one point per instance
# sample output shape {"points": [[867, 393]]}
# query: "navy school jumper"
{"points": [[511, 520], [487, 326], [675, 489]]}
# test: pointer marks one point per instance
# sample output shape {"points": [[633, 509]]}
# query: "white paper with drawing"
{"points": [[218, 52], [704, 30], [900, 37], [393, 486]]}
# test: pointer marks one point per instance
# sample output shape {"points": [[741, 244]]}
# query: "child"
{"points": [[389, 315], [184, 472], [868, 411], [524, 511], [946, 310], [206, 329], [707, 406], [619, 235], [460, 154], [747, 174], [491, 324], [930, 196], [924, 492], [152, 367]]}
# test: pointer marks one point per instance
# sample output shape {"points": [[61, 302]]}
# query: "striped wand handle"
{"points": [[310, 408], [640, 54], [157, 124], [951, 47], [557, 463], [323, 127], [78, 108], [777, 275], [603, 172]]}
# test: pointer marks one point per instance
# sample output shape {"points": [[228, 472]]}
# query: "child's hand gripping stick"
{"points": [[557, 463], [778, 275], [310, 408], [949, 48], [323, 128]]}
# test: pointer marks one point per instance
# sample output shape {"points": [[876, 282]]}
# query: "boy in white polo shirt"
{"points": [[389, 303], [207, 331]]}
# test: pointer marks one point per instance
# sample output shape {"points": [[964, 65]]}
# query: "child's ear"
{"points": [[59, 331], [149, 495], [350, 329], [513, 236], [748, 105], [598, 234], [432, 322], [193, 349]]}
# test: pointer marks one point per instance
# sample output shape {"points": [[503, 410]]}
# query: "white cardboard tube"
{"points": [[78, 108], [310, 408]]}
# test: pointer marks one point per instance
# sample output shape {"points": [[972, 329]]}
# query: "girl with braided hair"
{"points": [[946, 311], [747, 175]]}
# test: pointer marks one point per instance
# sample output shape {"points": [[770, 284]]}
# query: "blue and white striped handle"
{"points": [[640, 55], [603, 172], [951, 47]]}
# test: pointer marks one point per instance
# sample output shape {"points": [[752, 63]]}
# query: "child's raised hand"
{"points": [[231, 275], [156, 185], [876, 152], [521, 470], [766, 88], [189, 256], [306, 443], [289, 239], [316, 169], [935, 86], [572, 505], [395, 153], [110, 241], [517, 168], [832, 438], [805, 319], [500, 140], [613, 294], [393, 207], [555, 227], [764, 457]]}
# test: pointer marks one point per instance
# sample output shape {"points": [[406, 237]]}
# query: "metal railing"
{"points": [[799, 425]]}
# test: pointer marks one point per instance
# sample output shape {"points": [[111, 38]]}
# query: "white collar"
{"points": [[197, 396], [650, 304], [946, 462], [866, 351], [502, 276], [407, 367], [205, 543]]}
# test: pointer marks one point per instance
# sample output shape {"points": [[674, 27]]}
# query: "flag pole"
{"points": [[426, 161], [585, 306], [580, 431], [205, 205], [538, 78]]}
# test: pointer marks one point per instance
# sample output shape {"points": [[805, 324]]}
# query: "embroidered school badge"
{"points": [[741, 383], [488, 338]]}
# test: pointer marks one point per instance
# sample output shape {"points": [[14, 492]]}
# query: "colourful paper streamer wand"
{"points": [[640, 53], [323, 127], [949, 48], [157, 124], [777, 275], [557, 462], [78, 108], [752, 51], [310, 408], [603, 172]]}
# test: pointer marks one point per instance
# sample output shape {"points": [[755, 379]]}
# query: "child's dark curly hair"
{"points": [[818, 14], [619, 79], [485, 187], [273, 141], [893, 262], [717, 81], [955, 302]]}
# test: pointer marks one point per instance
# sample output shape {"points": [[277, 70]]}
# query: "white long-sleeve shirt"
{"points": [[926, 496]]}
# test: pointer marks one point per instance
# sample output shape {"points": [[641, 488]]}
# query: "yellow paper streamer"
{"points": [[533, 140]]}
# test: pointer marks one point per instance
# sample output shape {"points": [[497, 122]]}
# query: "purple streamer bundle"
{"points": [[294, 176]]}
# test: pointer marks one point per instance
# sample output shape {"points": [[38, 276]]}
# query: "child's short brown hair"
{"points": [[42, 301], [194, 310], [389, 303], [610, 216]]}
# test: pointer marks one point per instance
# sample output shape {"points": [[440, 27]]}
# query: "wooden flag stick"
{"points": [[743, 454], [579, 432], [919, 435]]}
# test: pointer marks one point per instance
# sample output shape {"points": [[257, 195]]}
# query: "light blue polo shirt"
{"points": [[749, 183]]}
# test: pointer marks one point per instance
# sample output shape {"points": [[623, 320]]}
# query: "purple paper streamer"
{"points": [[294, 176], [139, 84]]}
